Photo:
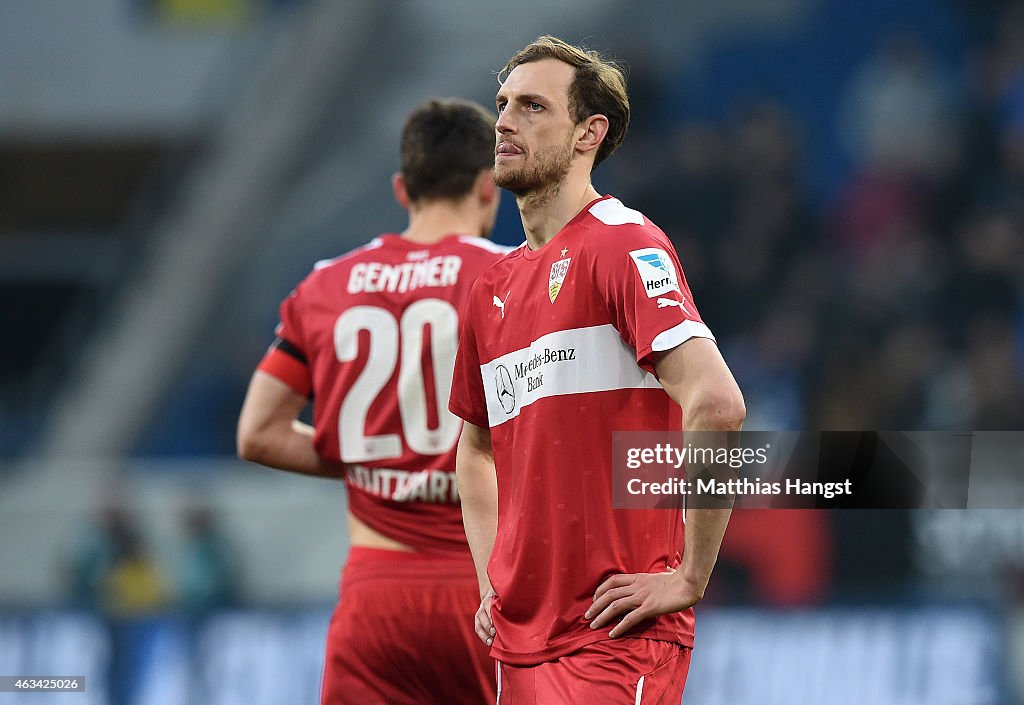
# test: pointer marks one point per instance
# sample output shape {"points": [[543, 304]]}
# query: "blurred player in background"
{"points": [[565, 342], [372, 336]]}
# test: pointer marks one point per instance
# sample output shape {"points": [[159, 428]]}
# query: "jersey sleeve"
{"points": [[649, 301], [286, 358], [468, 400]]}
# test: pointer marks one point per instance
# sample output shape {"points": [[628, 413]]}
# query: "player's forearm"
{"points": [[270, 434], [478, 492], [705, 529], [289, 447], [716, 419], [480, 517], [480, 531]]}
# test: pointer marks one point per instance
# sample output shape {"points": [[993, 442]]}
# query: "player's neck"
{"points": [[543, 217], [432, 222]]}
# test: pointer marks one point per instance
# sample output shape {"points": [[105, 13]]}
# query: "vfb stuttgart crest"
{"points": [[558, 271]]}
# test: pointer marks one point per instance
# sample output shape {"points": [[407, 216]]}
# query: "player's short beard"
{"points": [[539, 182]]}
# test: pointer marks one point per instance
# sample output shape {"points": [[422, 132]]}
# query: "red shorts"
{"points": [[610, 672], [402, 633]]}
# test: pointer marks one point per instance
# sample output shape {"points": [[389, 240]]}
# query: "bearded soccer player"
{"points": [[372, 336], [587, 329]]}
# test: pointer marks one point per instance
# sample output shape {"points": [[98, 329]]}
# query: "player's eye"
{"points": [[501, 105], [535, 106]]}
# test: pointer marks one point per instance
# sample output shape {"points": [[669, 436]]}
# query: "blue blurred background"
{"points": [[844, 183]]}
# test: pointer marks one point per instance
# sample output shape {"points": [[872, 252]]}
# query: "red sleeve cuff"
{"points": [[286, 368], [465, 415]]}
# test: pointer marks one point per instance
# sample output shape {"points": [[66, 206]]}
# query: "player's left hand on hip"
{"points": [[639, 596]]}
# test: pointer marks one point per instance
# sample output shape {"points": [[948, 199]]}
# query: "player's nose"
{"points": [[505, 124]]}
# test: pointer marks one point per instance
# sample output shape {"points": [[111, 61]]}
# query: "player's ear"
{"points": [[591, 133], [484, 188], [399, 189]]}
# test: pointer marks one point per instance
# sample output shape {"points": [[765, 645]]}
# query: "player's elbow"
{"points": [[720, 410], [251, 445]]}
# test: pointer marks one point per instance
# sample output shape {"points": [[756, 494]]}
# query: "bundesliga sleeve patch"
{"points": [[656, 271]]}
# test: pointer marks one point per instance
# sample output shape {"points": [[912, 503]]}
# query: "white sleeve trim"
{"points": [[485, 244], [371, 245], [610, 211], [679, 334]]}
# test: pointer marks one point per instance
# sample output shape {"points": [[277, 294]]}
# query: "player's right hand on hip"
{"points": [[483, 624]]}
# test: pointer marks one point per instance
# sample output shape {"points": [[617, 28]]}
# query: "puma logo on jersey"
{"points": [[501, 304], [665, 303]]}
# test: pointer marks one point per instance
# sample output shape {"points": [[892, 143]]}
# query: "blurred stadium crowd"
{"points": [[112, 570], [896, 301]]}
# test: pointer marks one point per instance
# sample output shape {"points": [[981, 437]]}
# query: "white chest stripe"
{"points": [[574, 361]]}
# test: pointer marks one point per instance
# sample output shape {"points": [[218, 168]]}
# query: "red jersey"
{"points": [[373, 336], [556, 355]]}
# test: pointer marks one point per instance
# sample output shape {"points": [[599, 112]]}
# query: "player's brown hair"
{"points": [[445, 145], [598, 86]]}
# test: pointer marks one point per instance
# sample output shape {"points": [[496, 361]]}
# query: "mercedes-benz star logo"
{"points": [[503, 385]]}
